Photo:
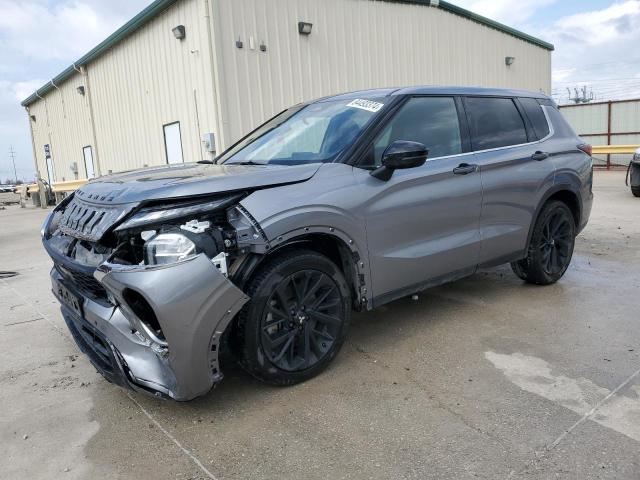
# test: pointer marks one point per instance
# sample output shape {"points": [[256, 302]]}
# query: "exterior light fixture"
{"points": [[80, 90], [263, 47], [304, 28], [239, 43], [179, 32], [508, 61], [33, 118]]}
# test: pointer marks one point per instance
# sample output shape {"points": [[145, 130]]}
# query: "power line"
{"points": [[593, 80], [582, 66]]}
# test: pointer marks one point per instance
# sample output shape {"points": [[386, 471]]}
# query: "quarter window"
{"points": [[494, 122], [432, 121], [536, 116]]}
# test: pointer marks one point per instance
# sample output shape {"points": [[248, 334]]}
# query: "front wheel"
{"points": [[551, 246], [635, 191], [296, 320]]}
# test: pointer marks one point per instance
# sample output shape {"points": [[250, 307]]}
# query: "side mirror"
{"points": [[400, 154]]}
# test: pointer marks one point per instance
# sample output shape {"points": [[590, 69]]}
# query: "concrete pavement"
{"points": [[486, 377]]}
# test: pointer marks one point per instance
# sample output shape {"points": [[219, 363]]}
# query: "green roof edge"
{"points": [[159, 6], [141, 19], [493, 24], [463, 12]]}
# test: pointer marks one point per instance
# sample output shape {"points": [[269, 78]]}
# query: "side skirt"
{"points": [[432, 282], [511, 257]]}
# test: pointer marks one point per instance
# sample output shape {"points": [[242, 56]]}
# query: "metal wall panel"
{"points": [[40, 134], [150, 80], [355, 44], [624, 159], [594, 118], [586, 119], [625, 117], [62, 121]]}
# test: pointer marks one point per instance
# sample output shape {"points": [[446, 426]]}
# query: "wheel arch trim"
{"points": [[361, 281], [554, 190]]}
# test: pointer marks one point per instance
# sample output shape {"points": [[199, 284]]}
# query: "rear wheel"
{"points": [[297, 318], [551, 246], [635, 191]]}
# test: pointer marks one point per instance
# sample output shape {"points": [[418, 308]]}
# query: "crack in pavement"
{"points": [[580, 395]]}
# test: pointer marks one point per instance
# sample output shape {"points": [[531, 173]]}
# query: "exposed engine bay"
{"points": [[125, 260]]}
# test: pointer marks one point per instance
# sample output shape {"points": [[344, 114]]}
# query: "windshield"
{"points": [[309, 134]]}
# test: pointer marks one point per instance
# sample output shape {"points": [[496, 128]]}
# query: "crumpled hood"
{"points": [[175, 181]]}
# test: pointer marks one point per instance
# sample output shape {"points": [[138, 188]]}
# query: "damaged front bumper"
{"points": [[193, 303]]}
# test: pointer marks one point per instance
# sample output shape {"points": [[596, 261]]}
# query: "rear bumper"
{"points": [[587, 202], [193, 303]]}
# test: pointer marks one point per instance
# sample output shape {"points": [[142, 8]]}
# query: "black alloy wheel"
{"points": [[296, 320], [302, 320], [551, 246], [556, 243]]}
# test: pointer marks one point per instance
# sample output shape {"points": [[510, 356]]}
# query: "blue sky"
{"points": [[596, 44]]}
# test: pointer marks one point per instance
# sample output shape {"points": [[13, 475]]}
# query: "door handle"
{"points": [[539, 156], [465, 168]]}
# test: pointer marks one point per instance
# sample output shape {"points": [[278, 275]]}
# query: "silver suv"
{"points": [[341, 204]]}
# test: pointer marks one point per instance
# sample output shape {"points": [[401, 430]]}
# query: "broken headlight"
{"points": [[164, 234], [163, 214], [166, 248]]}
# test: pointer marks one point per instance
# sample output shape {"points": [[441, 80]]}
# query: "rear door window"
{"points": [[494, 123], [536, 116]]}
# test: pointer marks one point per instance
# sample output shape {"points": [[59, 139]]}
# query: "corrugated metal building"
{"points": [[184, 71], [616, 122]]}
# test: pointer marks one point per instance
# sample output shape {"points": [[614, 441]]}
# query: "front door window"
{"points": [[432, 121]]}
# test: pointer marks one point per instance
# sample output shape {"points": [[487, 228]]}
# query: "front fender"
{"points": [[326, 204]]}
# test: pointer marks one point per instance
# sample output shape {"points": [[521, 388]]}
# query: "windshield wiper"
{"points": [[246, 162]]}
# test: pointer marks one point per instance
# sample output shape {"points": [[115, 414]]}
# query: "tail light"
{"points": [[586, 148]]}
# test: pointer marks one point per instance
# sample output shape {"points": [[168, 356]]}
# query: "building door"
{"points": [[88, 162], [173, 143]]}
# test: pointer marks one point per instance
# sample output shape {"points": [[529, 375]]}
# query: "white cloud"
{"points": [[65, 31], [600, 26], [22, 90], [506, 11], [561, 74], [599, 49], [38, 39]]}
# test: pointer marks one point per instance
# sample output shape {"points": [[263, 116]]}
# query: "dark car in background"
{"points": [[341, 204], [633, 174]]}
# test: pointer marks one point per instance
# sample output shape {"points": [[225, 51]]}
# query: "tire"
{"points": [[285, 347], [635, 191], [551, 246]]}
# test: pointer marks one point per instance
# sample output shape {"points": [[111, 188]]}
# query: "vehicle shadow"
{"points": [[433, 310]]}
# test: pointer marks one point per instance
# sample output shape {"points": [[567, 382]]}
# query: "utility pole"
{"points": [[12, 155]]}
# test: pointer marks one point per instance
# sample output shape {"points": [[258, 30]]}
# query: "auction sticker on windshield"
{"points": [[366, 105]]}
